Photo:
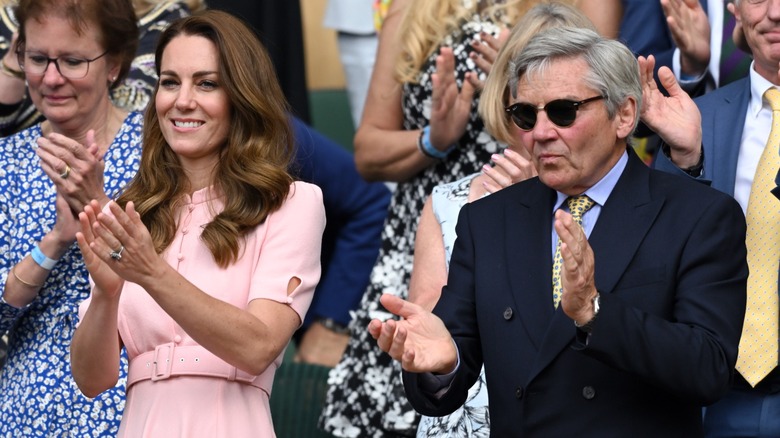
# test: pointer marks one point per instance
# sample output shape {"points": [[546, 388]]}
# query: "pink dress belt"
{"points": [[169, 360]]}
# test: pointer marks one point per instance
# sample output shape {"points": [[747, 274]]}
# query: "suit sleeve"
{"points": [[457, 308], [706, 311], [663, 163]]}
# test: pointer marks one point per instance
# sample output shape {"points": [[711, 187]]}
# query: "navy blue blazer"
{"points": [[644, 30], [723, 114], [670, 267]]}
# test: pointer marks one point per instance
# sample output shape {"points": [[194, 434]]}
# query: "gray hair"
{"points": [[613, 69]]}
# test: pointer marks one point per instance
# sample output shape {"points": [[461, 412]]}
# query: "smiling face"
{"points": [[68, 103], [572, 159], [761, 24], [192, 105]]}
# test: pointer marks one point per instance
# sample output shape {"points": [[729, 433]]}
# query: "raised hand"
{"points": [[450, 106], [75, 169], [484, 54], [690, 31], [420, 341], [509, 168], [675, 118], [106, 280], [578, 269], [122, 232]]}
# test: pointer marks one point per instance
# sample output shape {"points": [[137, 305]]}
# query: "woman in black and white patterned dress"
{"points": [[419, 138]]}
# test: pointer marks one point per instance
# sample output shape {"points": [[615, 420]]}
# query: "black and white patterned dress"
{"points": [[365, 395]]}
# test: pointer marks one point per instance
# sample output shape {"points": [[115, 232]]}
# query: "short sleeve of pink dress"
{"points": [[286, 245]]}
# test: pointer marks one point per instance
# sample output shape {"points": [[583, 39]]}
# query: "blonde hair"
{"points": [[494, 96], [427, 22]]}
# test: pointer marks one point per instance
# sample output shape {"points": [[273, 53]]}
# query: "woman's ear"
{"points": [[114, 66]]}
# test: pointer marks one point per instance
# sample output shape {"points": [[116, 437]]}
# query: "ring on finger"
{"points": [[65, 173], [117, 255]]}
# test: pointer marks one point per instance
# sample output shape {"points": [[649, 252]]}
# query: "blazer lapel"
{"points": [[527, 246], [623, 224], [722, 135], [621, 227]]}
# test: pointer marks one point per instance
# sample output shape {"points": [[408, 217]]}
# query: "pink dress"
{"points": [[192, 393]]}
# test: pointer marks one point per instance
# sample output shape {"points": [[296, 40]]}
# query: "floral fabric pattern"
{"points": [[38, 397], [473, 418], [365, 396]]}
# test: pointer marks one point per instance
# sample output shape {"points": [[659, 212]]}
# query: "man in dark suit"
{"points": [[653, 282], [727, 153]]}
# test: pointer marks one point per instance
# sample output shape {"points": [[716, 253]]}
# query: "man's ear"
{"points": [[625, 117]]}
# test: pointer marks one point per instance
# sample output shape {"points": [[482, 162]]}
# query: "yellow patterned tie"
{"points": [[578, 205], [759, 343]]}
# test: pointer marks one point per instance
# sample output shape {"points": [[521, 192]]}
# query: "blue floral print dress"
{"points": [[38, 397]]}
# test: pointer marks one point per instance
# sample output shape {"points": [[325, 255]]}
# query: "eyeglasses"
{"points": [[562, 112], [35, 63]]}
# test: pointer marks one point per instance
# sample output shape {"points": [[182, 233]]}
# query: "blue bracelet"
{"points": [[41, 259], [425, 146]]}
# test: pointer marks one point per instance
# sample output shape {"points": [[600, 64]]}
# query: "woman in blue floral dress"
{"points": [[72, 52]]}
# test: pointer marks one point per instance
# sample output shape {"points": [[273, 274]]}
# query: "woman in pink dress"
{"points": [[206, 264]]}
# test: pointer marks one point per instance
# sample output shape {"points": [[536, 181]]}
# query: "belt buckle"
{"points": [[163, 361]]}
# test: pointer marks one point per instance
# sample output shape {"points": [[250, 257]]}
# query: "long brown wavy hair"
{"points": [[251, 174]]}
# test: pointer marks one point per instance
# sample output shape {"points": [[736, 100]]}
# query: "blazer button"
{"points": [[588, 392], [508, 313], [519, 392]]}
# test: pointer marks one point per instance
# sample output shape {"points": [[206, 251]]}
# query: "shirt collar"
{"points": [[602, 189], [758, 86]]}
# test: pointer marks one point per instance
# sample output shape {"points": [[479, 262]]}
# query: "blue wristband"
{"points": [[424, 143], [41, 259]]}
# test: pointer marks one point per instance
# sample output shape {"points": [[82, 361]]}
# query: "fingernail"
{"points": [[485, 168], [509, 152], [495, 157]]}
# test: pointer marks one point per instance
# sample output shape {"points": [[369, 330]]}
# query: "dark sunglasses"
{"points": [[562, 112]]}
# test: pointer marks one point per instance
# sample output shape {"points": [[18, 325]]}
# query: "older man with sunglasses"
{"points": [[604, 298]]}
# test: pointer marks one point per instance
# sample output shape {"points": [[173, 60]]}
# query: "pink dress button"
{"points": [[177, 339], [180, 256]]}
